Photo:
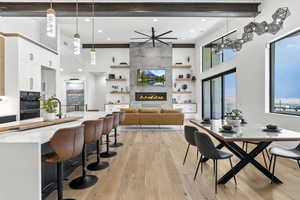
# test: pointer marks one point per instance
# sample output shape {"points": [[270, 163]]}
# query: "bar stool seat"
{"points": [[108, 126], [92, 133], [116, 123], [66, 144]]}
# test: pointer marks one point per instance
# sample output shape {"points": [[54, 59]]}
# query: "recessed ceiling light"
{"points": [[80, 70], [100, 31], [192, 31], [61, 69], [87, 19], [108, 38], [183, 38], [203, 20], [155, 20]]}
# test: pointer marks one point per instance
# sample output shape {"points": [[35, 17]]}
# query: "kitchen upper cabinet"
{"points": [[31, 60]]}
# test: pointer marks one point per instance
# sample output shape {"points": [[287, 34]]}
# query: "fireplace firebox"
{"points": [[151, 96]]}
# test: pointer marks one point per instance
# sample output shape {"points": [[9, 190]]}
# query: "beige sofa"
{"points": [[152, 117]]}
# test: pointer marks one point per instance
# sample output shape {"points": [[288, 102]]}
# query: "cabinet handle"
{"points": [[31, 83]]}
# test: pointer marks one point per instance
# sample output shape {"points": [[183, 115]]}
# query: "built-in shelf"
{"points": [[182, 66], [183, 79], [118, 92], [119, 66], [182, 92], [117, 79], [116, 104]]}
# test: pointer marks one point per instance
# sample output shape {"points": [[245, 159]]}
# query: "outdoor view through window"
{"points": [[285, 72]]}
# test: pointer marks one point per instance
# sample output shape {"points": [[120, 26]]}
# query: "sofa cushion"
{"points": [[171, 110], [131, 119], [129, 110], [150, 118], [149, 110], [172, 119]]}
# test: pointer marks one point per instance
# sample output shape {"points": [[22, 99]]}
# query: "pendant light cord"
{"points": [[93, 24], [51, 4], [77, 16]]}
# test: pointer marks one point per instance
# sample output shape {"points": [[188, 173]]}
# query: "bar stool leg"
{"points": [[84, 181], [116, 143], [98, 165], [108, 154], [60, 183]]}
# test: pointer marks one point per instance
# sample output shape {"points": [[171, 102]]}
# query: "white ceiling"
{"points": [[121, 29]]}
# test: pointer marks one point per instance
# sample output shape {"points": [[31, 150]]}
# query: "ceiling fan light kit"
{"points": [[254, 27]]}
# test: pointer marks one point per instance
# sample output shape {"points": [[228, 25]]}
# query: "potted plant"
{"points": [[234, 118], [50, 108]]}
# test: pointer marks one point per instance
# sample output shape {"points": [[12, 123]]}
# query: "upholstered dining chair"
{"points": [[275, 152], [189, 136], [208, 150]]}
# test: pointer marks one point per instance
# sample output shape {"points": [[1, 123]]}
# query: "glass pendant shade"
{"points": [[93, 56], [51, 23], [76, 44], [246, 37]]}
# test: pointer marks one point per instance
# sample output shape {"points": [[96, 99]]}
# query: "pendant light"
{"points": [[51, 21], [93, 50], [76, 39]]}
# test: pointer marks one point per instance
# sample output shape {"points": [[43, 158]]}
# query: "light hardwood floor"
{"points": [[149, 167]]}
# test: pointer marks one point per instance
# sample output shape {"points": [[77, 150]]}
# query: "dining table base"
{"points": [[245, 159]]}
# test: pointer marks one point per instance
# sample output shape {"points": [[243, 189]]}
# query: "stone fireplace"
{"points": [[145, 56], [151, 96]]}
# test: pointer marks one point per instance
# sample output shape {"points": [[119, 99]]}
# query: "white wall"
{"points": [[250, 62], [100, 90]]}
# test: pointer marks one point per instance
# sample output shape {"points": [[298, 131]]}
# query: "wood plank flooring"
{"points": [[149, 167]]}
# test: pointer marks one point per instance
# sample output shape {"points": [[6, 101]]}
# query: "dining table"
{"points": [[246, 132]]}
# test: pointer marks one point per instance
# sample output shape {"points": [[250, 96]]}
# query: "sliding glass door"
{"points": [[219, 95]]}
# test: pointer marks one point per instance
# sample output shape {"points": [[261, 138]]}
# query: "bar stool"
{"points": [[92, 128], [66, 144], [98, 165], [108, 126], [115, 126]]}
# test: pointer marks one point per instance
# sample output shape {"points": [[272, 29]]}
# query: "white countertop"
{"points": [[44, 134]]}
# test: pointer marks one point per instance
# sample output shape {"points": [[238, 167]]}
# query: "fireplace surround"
{"points": [[151, 96]]}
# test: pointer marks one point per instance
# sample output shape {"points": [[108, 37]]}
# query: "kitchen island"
{"points": [[20, 153]]}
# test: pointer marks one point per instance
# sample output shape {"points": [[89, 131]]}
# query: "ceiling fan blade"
{"points": [[143, 34], [139, 38], [162, 42], [168, 38], [164, 33]]}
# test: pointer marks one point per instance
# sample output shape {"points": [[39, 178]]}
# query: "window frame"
{"points": [[211, 54], [220, 75], [272, 73]]}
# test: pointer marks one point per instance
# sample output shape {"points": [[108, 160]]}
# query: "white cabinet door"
{"points": [[115, 108], [29, 67], [186, 108]]}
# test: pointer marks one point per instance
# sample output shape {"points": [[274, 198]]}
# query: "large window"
{"points": [[219, 95], [285, 73], [210, 59]]}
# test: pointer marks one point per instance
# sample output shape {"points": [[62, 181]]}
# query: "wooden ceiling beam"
{"points": [[147, 9], [105, 46]]}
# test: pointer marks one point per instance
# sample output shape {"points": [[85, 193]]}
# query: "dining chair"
{"points": [[264, 152], [208, 150], [275, 152], [189, 136]]}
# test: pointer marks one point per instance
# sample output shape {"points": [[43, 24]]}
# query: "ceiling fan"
{"points": [[154, 37]]}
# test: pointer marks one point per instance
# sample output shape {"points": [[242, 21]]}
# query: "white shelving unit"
{"points": [[118, 88], [183, 99]]}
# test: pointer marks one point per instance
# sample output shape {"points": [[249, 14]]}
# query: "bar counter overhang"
{"points": [[20, 153]]}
